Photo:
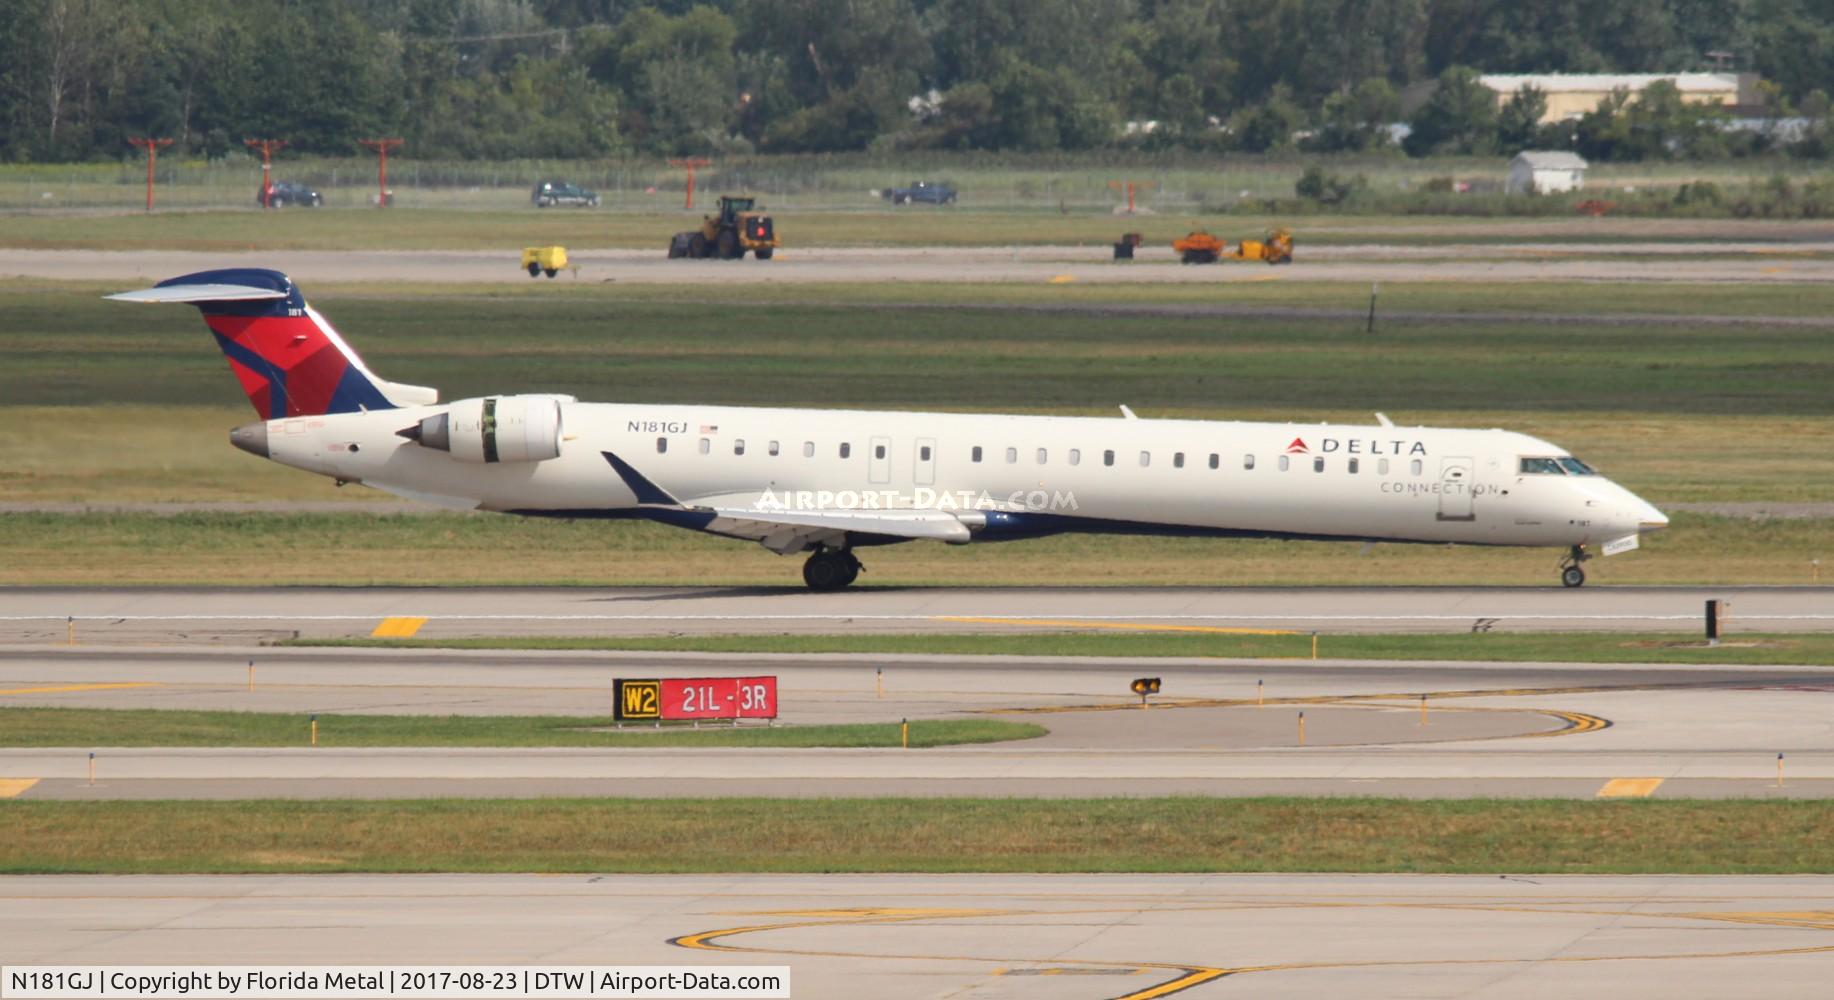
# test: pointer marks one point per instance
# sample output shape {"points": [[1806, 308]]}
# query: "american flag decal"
{"points": [[709, 429]]}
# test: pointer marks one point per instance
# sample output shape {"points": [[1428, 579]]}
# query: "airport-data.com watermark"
{"points": [[920, 498], [387, 982]]}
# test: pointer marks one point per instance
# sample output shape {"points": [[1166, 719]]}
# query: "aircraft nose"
{"points": [[1649, 518], [251, 438]]}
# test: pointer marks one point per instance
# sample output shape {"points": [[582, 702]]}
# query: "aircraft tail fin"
{"points": [[290, 360]]}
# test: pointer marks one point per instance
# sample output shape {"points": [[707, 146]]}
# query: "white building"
{"points": [[1545, 173]]}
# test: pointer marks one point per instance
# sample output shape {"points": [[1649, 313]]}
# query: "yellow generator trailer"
{"points": [[548, 260]]}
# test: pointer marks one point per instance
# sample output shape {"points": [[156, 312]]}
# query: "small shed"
{"points": [[1545, 173]]}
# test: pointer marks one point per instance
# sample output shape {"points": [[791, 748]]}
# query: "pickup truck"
{"points": [[924, 191]]}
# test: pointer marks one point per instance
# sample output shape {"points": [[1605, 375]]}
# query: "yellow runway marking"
{"points": [[10, 787], [397, 628], [1193, 975], [62, 688], [1127, 626], [1629, 788]]}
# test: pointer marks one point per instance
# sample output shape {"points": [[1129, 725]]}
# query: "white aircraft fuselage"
{"points": [[831, 481]]}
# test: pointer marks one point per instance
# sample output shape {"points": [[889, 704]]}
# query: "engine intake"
{"points": [[493, 429]]}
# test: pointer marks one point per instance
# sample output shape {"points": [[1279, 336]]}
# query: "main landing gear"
{"points": [[1571, 573], [830, 569]]}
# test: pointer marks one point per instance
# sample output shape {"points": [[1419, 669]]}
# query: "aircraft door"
{"points": [[1457, 487], [879, 460], [924, 473]]}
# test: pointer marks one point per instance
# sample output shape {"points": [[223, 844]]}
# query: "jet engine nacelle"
{"points": [[494, 429]]}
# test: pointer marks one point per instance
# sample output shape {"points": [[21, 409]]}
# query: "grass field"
{"points": [[69, 347], [86, 727], [1564, 647], [454, 550], [928, 835]]}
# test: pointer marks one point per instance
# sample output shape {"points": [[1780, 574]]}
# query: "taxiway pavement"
{"points": [[1633, 262], [1219, 727], [994, 937], [138, 615]]}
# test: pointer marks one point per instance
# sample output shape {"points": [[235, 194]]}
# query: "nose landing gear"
{"points": [[1571, 572], [830, 569]]}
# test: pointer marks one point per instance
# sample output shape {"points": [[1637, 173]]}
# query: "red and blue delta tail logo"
{"points": [[290, 361]]}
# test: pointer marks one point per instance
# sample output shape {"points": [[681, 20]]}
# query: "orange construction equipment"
{"points": [[1198, 247], [1277, 248]]}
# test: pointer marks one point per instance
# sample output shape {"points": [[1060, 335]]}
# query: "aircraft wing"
{"points": [[795, 530], [783, 530]]}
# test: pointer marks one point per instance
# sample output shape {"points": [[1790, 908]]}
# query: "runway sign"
{"points": [[637, 700], [684, 698]]}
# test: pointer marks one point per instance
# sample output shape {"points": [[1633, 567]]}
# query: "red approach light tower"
{"points": [[381, 147], [152, 147], [690, 165], [267, 148]]}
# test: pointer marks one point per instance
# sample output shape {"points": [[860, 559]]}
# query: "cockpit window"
{"points": [[1575, 467], [1541, 467]]}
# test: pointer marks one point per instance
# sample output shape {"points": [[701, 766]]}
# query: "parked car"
{"points": [[549, 193], [924, 191], [285, 193]]}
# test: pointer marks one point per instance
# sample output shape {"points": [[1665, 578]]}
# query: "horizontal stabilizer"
{"points": [[199, 293]]}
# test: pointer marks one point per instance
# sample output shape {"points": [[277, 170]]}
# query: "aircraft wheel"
{"points": [[1572, 576], [828, 569]]}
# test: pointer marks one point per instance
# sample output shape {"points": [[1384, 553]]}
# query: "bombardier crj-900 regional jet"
{"points": [[830, 482]]}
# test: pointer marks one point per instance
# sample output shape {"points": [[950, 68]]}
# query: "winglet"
{"points": [[645, 491], [1127, 413], [1382, 418]]}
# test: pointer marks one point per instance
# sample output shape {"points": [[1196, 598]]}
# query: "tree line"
{"points": [[504, 79]]}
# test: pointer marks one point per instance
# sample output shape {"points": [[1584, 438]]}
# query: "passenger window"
{"points": [[1540, 467], [1414, 467], [1178, 460], [773, 449], [1043, 456], [878, 451], [1076, 456], [1285, 463], [1107, 458], [1318, 464], [1216, 461], [662, 445], [1146, 459], [1012, 455], [846, 449], [1353, 466], [808, 449], [1248, 462], [706, 445], [738, 446], [923, 453], [975, 455], [1381, 466]]}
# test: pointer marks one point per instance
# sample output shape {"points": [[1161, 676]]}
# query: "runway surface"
{"points": [[255, 614], [1219, 727], [1001, 937], [1633, 262]]}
